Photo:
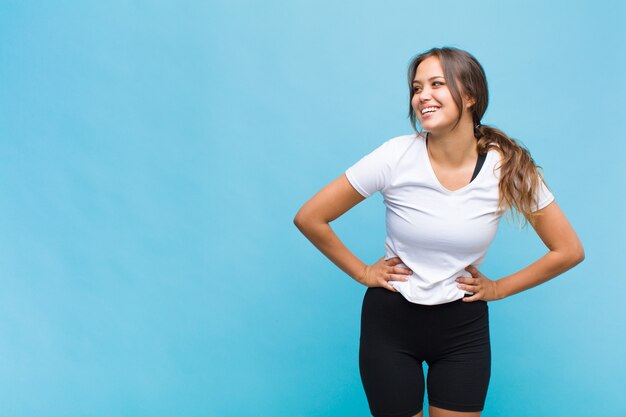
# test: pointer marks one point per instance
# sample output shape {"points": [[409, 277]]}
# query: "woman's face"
{"points": [[432, 101]]}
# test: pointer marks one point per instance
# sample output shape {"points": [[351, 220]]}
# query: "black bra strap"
{"points": [[479, 164]]}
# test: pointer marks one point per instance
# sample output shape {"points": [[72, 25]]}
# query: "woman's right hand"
{"points": [[380, 273]]}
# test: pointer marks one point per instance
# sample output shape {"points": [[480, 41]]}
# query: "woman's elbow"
{"points": [[577, 254], [580, 255], [299, 220], [303, 220]]}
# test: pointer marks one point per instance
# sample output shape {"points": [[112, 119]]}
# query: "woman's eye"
{"points": [[437, 83], [416, 89]]}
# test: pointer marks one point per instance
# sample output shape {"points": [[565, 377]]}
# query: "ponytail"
{"points": [[519, 176]]}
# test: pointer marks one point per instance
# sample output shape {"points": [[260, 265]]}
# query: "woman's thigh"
{"points": [[390, 367], [459, 361]]}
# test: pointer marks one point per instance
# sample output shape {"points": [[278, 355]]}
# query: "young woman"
{"points": [[445, 189]]}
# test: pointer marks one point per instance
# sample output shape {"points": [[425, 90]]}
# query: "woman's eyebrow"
{"points": [[430, 79]]}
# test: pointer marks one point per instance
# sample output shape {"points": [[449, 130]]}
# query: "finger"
{"points": [[394, 277], [389, 287], [472, 270], [469, 288], [474, 297], [401, 270], [467, 280], [394, 261]]}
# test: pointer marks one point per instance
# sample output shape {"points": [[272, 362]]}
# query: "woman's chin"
{"points": [[427, 127]]}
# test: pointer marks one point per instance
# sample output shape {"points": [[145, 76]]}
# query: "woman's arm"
{"points": [[313, 221], [566, 251]]}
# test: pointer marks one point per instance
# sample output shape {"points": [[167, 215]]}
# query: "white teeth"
{"points": [[429, 109]]}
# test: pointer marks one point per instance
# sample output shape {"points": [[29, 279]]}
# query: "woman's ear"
{"points": [[469, 102]]}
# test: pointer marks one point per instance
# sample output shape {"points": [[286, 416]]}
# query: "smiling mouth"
{"points": [[428, 110]]}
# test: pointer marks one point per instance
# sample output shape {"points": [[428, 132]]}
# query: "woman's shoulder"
{"points": [[402, 142], [409, 138]]}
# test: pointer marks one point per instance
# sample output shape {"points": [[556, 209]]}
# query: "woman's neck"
{"points": [[452, 150]]}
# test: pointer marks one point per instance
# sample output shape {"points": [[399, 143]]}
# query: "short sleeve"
{"points": [[543, 197], [372, 172]]}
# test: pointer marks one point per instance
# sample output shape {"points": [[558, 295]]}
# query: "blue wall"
{"points": [[153, 155]]}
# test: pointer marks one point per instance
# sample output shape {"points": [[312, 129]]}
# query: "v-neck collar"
{"points": [[477, 170]]}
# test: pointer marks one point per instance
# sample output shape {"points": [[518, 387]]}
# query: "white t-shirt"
{"points": [[434, 231]]}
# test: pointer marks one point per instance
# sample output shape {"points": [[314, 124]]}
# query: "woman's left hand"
{"points": [[482, 287]]}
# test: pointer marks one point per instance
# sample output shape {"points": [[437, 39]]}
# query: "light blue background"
{"points": [[153, 155]]}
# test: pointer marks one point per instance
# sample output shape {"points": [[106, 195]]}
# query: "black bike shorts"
{"points": [[398, 335]]}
